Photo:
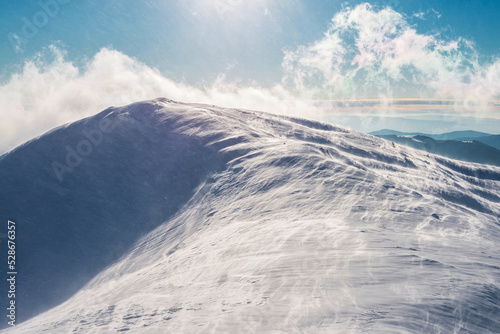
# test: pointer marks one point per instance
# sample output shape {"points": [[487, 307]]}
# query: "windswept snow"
{"points": [[271, 224]]}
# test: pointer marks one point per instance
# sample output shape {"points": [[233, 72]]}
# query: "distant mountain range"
{"points": [[493, 141], [470, 146]]}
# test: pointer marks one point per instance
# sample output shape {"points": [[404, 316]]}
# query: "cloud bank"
{"points": [[379, 54], [365, 52], [48, 94]]}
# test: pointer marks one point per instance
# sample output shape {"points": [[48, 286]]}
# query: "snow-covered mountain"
{"points": [[165, 217]]}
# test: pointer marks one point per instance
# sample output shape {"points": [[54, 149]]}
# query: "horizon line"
{"points": [[395, 99]]}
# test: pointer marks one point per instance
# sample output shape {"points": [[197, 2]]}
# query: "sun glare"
{"points": [[234, 10]]}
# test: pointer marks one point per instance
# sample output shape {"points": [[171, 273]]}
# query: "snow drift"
{"points": [[165, 217]]}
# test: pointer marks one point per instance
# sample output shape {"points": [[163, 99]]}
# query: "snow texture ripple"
{"points": [[247, 222]]}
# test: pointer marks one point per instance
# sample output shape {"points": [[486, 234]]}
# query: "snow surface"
{"points": [[292, 226]]}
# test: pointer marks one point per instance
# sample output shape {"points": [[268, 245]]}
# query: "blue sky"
{"points": [[191, 40], [255, 54]]}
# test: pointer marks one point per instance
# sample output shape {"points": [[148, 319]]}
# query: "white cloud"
{"points": [[378, 53], [364, 53], [50, 93], [419, 15]]}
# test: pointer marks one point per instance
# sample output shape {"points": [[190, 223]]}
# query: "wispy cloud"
{"points": [[48, 93], [378, 53]]}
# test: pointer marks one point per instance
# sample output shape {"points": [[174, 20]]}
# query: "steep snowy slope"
{"points": [[84, 193], [198, 219]]}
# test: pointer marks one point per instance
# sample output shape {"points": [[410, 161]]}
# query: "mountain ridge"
{"points": [[454, 135], [470, 146], [270, 223]]}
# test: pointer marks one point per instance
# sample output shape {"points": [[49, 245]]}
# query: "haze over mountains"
{"points": [[493, 140], [167, 217], [470, 146]]}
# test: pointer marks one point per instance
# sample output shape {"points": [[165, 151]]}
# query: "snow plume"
{"points": [[377, 53], [50, 91]]}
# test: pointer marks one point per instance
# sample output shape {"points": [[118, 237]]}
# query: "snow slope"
{"points": [[198, 219]]}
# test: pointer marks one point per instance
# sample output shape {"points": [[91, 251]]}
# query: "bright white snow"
{"points": [[308, 228]]}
